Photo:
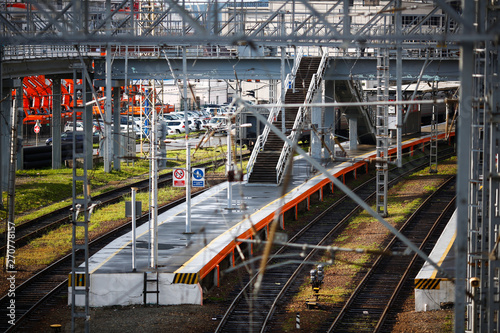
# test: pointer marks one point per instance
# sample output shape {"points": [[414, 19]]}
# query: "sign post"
{"points": [[36, 129]]}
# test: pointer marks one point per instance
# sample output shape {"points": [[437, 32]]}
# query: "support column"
{"points": [[20, 117], [87, 122], [317, 124], [107, 152], [463, 163], [117, 134], [329, 117], [5, 126], [353, 132], [382, 129], [56, 123]]}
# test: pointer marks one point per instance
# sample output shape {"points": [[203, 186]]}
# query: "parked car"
{"points": [[177, 126], [67, 137], [171, 116], [203, 124], [68, 127], [171, 131], [194, 125]]}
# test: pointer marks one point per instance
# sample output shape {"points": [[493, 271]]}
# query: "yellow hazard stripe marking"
{"points": [[79, 280], [186, 278], [427, 283]]}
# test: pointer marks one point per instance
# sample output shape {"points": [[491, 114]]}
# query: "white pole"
{"points": [[229, 167], [188, 151], [153, 223], [134, 190], [188, 188]]}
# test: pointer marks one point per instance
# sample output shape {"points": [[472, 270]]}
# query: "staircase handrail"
{"points": [[299, 119], [273, 115], [261, 139]]}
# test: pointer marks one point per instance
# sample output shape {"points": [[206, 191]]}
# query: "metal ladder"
{"points": [[81, 207], [151, 280], [434, 141], [381, 129]]}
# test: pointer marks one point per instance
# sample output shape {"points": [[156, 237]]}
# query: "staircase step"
{"points": [[264, 169]]}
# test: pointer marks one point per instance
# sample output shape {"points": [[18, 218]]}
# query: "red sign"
{"points": [[36, 129], [179, 178]]}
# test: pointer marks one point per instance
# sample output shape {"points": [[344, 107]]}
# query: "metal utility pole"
{"points": [[188, 151], [382, 132], [16, 117], [464, 164], [433, 156], [107, 137], [399, 83], [79, 280]]}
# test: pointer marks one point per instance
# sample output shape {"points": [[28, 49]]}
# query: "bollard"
{"points": [[297, 321]]}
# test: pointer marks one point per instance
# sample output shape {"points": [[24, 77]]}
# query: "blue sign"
{"points": [[198, 177]]}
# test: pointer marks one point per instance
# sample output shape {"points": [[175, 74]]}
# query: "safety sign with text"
{"points": [[179, 177], [198, 177]]}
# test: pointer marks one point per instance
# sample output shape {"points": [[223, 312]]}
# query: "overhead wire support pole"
{"points": [[433, 160], [188, 151], [381, 128], [399, 97], [16, 118], [153, 206], [80, 207], [463, 165], [283, 83], [107, 153]]}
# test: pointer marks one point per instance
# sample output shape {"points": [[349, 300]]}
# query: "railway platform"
{"points": [[434, 290], [189, 262]]}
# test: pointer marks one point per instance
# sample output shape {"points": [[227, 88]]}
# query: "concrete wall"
{"points": [[127, 289], [431, 299]]}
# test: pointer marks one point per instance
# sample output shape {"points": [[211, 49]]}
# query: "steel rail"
{"points": [[245, 290], [64, 264], [366, 279], [397, 291], [52, 220]]}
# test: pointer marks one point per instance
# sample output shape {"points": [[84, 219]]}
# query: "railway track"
{"points": [[41, 225], [369, 303], [252, 312], [38, 289]]}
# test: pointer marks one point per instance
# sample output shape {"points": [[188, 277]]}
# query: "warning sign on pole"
{"points": [[198, 177], [179, 178]]}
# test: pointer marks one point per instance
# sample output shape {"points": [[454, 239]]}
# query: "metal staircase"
{"points": [[271, 154], [273, 116]]}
